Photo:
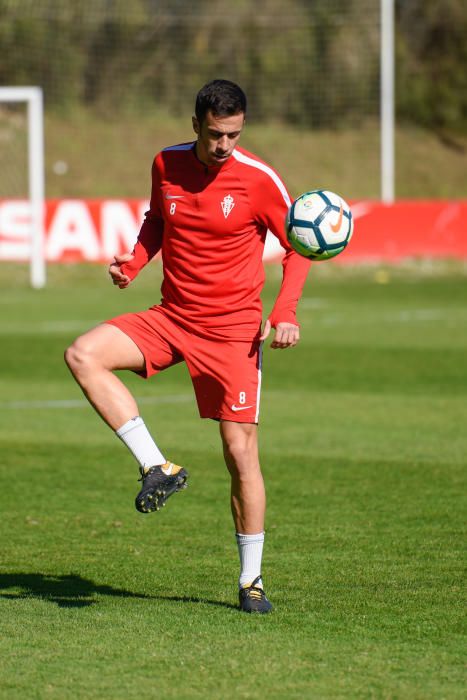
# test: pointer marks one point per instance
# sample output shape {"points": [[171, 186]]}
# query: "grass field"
{"points": [[363, 443], [93, 155], [111, 157]]}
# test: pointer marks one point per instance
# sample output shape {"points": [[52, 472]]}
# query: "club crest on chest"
{"points": [[227, 204]]}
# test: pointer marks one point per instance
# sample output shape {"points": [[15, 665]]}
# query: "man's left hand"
{"points": [[286, 335]]}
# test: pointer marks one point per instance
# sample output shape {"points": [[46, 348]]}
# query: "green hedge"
{"points": [[314, 62]]}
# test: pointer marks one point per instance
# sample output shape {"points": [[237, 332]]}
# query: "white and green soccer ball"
{"points": [[319, 224]]}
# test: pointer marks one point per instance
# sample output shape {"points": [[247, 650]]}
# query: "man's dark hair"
{"points": [[221, 97]]}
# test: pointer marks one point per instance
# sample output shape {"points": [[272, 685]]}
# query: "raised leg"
{"points": [[92, 359]]}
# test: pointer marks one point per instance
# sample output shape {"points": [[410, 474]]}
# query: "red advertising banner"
{"points": [[408, 229], [95, 230]]}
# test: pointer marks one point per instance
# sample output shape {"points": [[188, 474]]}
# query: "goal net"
{"points": [[22, 175]]}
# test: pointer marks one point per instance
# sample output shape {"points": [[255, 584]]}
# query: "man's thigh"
{"points": [[155, 336], [109, 347]]}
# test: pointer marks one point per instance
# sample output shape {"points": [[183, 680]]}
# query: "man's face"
{"points": [[217, 137]]}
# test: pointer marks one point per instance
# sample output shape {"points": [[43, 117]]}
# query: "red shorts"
{"points": [[226, 374]]}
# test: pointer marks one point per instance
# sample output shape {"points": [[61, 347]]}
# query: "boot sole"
{"points": [[153, 501]]}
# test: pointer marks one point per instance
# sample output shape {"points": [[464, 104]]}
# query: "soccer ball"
{"points": [[319, 224]]}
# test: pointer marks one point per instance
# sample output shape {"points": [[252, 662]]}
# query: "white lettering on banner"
{"points": [[15, 227], [119, 228], [72, 228]]}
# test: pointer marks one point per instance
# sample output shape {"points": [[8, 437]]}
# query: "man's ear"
{"points": [[195, 124]]}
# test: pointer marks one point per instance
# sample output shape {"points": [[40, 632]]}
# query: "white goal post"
{"points": [[33, 98], [387, 10]]}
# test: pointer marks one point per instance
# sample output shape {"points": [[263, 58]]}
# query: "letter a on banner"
{"points": [[72, 229]]}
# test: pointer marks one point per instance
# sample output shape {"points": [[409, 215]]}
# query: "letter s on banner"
{"points": [[15, 229]]}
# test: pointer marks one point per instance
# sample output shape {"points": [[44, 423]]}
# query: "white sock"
{"points": [[250, 549], [137, 438]]}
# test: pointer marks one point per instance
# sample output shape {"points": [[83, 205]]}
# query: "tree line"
{"points": [[308, 62]]}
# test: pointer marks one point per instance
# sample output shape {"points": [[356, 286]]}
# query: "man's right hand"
{"points": [[118, 278]]}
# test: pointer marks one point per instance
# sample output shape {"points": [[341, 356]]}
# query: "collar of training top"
{"points": [[211, 168]]}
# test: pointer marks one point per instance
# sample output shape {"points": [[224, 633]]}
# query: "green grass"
{"points": [[363, 446], [112, 157]]}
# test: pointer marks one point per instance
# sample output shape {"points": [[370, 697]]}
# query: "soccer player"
{"points": [[212, 204]]}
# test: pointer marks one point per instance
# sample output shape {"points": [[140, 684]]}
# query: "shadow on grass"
{"points": [[74, 591]]}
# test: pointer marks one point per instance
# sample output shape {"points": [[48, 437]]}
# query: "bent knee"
{"points": [[79, 354], [103, 348]]}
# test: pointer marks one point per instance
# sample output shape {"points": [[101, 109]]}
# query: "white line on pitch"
{"points": [[404, 316], [82, 403], [46, 327]]}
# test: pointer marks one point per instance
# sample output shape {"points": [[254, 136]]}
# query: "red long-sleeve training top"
{"points": [[211, 224]]}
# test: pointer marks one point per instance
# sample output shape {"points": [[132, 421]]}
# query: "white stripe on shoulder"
{"points": [[180, 147], [266, 169]]}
